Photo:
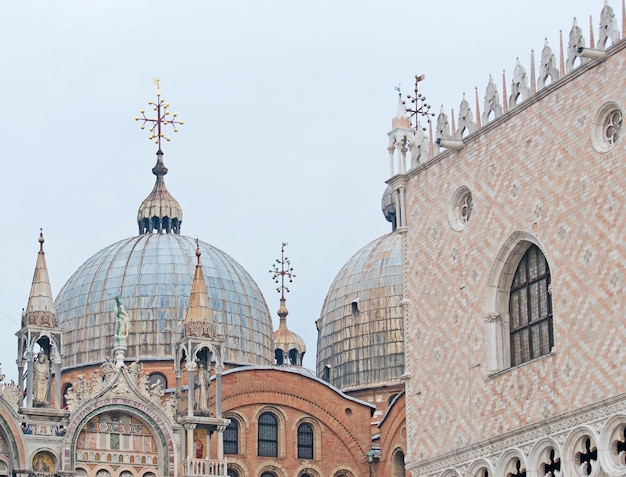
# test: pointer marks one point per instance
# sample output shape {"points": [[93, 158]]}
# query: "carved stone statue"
{"points": [[202, 390], [122, 321], [108, 370], [41, 379]]}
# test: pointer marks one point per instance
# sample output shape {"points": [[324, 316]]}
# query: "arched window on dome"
{"points": [[231, 438], [294, 357], [268, 435], [305, 441], [530, 308], [279, 355]]}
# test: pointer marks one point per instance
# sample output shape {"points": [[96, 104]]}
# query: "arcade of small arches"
{"points": [[583, 452]]}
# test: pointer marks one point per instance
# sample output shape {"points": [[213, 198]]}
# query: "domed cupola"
{"points": [[360, 341], [152, 274], [289, 346], [159, 212]]}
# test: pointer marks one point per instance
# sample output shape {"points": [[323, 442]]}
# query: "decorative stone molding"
{"points": [[492, 317], [556, 430]]}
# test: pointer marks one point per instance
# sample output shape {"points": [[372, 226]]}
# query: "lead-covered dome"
{"points": [[360, 330], [152, 274]]}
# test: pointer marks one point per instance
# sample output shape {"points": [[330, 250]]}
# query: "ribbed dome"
{"points": [[360, 335], [152, 274]]}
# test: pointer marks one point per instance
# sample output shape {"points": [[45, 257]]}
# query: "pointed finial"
{"points": [[592, 42], [162, 118], [623, 18], [533, 84], [505, 102], [41, 240], [562, 62], [198, 252], [478, 104]]}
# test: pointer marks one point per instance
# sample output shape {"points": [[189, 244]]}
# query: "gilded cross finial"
{"points": [[162, 118], [418, 107], [282, 270]]}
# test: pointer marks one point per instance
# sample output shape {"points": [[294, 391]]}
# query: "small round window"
{"points": [[461, 207], [607, 127]]}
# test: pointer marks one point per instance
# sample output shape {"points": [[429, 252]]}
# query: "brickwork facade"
{"points": [[536, 176], [341, 425]]}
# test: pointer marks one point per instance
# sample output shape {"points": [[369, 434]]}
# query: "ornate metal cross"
{"points": [[418, 107], [162, 118], [280, 270]]}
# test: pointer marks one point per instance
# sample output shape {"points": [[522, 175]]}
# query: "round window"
{"points": [[606, 127], [461, 207]]}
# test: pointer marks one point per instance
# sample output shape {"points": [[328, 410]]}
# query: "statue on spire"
{"points": [[122, 326]]}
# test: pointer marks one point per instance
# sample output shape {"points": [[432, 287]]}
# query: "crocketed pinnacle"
{"points": [[159, 212], [40, 310], [198, 320]]}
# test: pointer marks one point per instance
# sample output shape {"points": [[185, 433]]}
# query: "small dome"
{"points": [[360, 339], [286, 340], [387, 205], [160, 211], [152, 274]]}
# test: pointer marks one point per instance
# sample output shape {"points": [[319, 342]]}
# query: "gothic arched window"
{"points": [[268, 435], [231, 438], [530, 308], [305, 441]]}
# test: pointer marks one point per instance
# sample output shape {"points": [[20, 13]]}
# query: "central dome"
{"points": [[152, 274]]}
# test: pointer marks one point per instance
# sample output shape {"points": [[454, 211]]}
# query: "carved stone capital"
{"points": [[492, 317]]}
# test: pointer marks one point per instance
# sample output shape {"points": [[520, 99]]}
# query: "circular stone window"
{"points": [[460, 208], [606, 127]]}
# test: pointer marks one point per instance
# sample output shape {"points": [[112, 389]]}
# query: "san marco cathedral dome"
{"points": [[152, 274], [360, 341]]}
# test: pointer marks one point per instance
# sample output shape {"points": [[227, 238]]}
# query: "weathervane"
{"points": [[162, 118], [281, 269], [418, 107]]}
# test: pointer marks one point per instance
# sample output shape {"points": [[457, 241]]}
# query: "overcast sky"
{"points": [[286, 107]]}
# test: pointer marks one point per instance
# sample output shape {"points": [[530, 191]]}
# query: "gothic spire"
{"points": [[40, 310], [198, 320]]}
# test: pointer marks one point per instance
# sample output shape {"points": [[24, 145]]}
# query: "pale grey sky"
{"points": [[286, 107]]}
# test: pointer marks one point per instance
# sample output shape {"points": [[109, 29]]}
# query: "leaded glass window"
{"points": [[305, 441], [530, 308], [231, 438], [268, 435]]}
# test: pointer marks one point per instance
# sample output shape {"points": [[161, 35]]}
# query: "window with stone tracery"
{"points": [[530, 308], [613, 127], [607, 127]]}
